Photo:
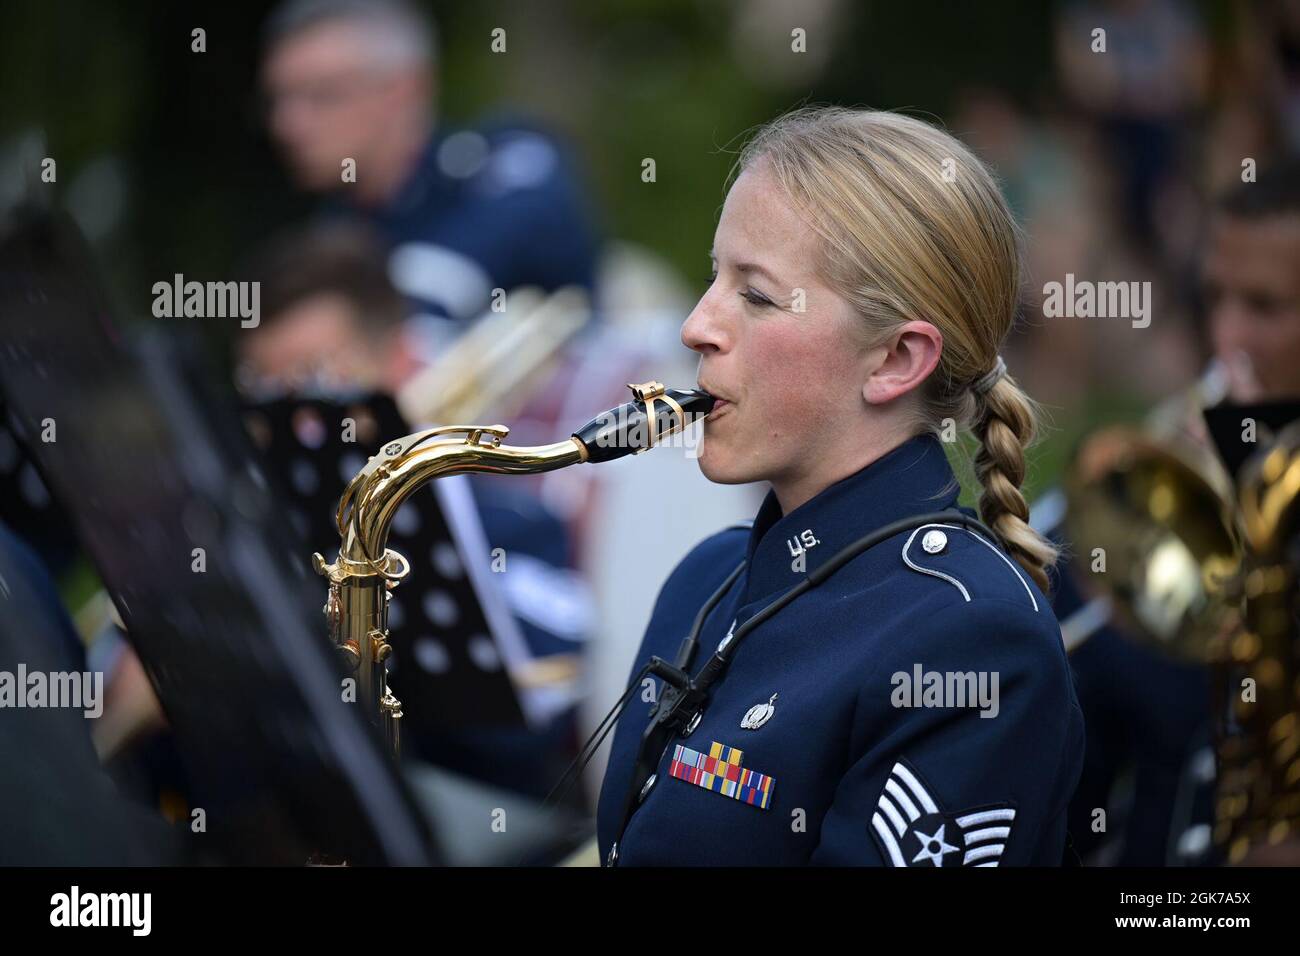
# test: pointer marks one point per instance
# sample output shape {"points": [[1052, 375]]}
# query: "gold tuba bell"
{"points": [[1207, 572], [1159, 527]]}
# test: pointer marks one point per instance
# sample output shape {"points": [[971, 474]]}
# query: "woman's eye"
{"points": [[755, 298], [711, 278]]}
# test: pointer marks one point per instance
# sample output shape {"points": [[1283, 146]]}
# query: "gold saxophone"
{"points": [[366, 570]]}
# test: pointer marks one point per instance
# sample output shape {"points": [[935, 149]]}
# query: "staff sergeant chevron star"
{"points": [[912, 830]]}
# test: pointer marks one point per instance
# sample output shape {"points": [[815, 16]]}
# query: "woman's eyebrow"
{"points": [[755, 267], [750, 267]]}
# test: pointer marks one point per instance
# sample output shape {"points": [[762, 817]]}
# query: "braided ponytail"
{"points": [[1004, 425]]}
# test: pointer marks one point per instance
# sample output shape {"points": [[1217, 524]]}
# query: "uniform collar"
{"points": [[424, 180], [913, 478]]}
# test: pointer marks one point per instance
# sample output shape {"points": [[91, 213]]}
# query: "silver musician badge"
{"points": [[758, 715]]}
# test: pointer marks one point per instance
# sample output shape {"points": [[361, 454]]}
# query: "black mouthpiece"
{"points": [[627, 429]]}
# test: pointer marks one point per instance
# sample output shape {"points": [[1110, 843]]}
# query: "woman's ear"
{"points": [[911, 355]]}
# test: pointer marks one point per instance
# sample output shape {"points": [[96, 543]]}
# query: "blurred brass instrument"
{"points": [[491, 366], [1259, 772], [366, 570], [1208, 573]]}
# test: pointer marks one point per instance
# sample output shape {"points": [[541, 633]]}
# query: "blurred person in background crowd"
{"points": [[1252, 286], [1135, 75], [351, 89], [1138, 69], [332, 319]]}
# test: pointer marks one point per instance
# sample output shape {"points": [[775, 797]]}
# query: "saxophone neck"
{"points": [[405, 465]]}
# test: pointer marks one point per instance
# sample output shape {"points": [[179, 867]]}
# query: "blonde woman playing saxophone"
{"points": [[870, 675]]}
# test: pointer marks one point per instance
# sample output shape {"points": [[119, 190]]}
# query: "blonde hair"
{"points": [[913, 226]]}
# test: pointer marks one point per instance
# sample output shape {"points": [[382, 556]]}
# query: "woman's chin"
{"points": [[721, 468]]}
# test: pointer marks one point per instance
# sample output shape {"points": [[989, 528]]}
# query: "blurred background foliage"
{"points": [[676, 80]]}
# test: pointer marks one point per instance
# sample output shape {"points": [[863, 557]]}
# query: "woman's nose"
{"points": [[701, 332]]}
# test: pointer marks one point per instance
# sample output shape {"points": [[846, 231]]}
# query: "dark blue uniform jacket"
{"points": [[916, 709], [501, 206]]}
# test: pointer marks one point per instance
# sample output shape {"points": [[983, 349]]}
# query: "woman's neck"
{"points": [[813, 477]]}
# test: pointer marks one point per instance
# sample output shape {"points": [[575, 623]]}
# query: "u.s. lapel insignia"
{"points": [[912, 830], [720, 771], [758, 715]]}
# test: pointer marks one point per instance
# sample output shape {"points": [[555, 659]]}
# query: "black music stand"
{"points": [[150, 466], [453, 636]]}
